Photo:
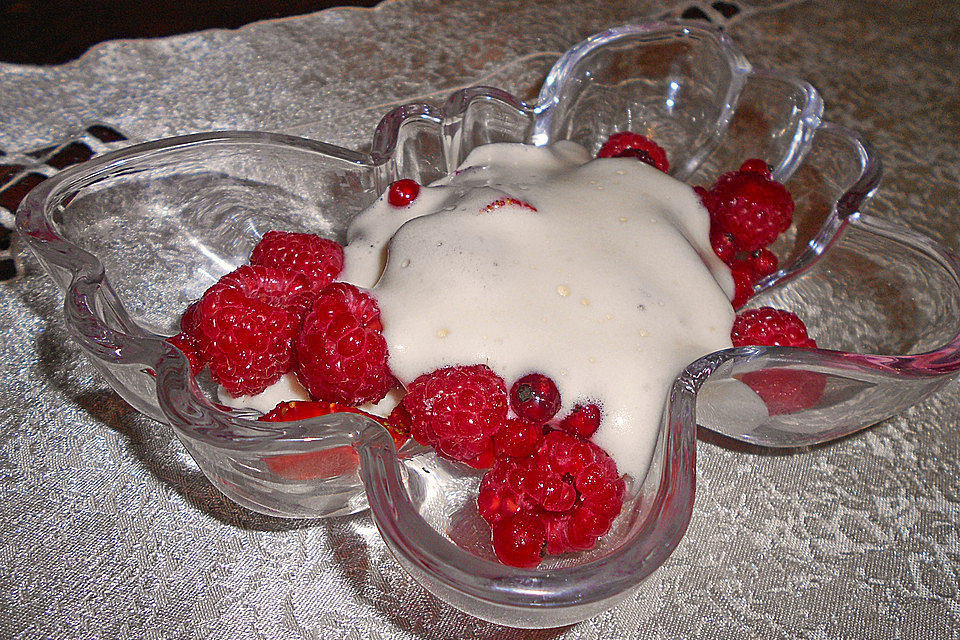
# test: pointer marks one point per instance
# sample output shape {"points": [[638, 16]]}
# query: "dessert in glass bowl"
{"points": [[191, 209], [584, 286]]}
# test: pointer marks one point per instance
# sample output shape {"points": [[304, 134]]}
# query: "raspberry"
{"points": [[190, 320], [341, 351], [403, 192], [571, 485], [583, 421], [627, 144], [751, 207], [518, 540], [246, 326], [747, 270], [782, 390], [786, 390], [707, 200], [188, 340], [399, 420], [771, 327], [319, 259], [756, 165], [287, 290], [518, 438], [457, 411], [190, 348], [535, 397]]}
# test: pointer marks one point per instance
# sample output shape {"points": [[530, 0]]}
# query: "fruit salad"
{"points": [[524, 316]]}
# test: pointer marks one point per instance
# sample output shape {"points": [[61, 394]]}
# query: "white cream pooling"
{"points": [[285, 389], [610, 287]]}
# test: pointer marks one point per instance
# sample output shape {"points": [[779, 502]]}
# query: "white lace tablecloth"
{"points": [[110, 531]]}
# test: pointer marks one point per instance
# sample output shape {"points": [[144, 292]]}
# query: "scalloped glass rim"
{"points": [[222, 442]]}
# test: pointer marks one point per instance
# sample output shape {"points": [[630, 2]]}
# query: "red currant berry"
{"points": [[403, 192], [535, 397], [763, 262], [722, 244]]}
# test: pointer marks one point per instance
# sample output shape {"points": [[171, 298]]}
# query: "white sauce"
{"points": [[284, 389], [610, 287]]}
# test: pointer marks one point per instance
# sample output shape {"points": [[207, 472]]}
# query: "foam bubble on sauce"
{"points": [[610, 287]]}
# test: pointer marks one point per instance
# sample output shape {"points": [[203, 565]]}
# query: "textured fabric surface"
{"points": [[109, 530]]}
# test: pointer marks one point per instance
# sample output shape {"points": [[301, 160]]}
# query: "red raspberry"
{"points": [[770, 327], [188, 340], [341, 351], [320, 259], [583, 421], [518, 438], [399, 419], [281, 288], [747, 270], [707, 200], [457, 411], [751, 207], [570, 484], [403, 192], [190, 348], [518, 540], [627, 144], [756, 165], [247, 323], [190, 321], [535, 397], [786, 390]]}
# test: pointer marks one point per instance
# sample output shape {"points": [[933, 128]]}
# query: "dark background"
{"points": [[57, 31]]}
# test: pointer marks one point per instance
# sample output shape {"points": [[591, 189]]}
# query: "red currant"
{"points": [[403, 192], [722, 244], [763, 262], [535, 397]]}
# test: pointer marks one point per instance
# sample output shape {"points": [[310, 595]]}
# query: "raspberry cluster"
{"points": [[562, 497], [550, 490], [284, 313], [748, 211], [547, 488]]}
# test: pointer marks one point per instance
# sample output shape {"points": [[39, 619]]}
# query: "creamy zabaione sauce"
{"points": [[610, 287]]}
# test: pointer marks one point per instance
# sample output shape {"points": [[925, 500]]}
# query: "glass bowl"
{"points": [[134, 236]]}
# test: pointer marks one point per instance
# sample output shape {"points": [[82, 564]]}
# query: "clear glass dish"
{"points": [[134, 236]]}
